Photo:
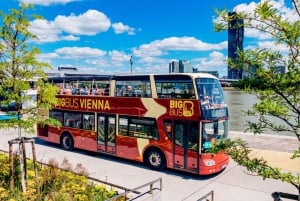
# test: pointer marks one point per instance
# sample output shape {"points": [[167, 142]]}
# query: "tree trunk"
{"points": [[35, 167], [22, 165], [11, 164]]}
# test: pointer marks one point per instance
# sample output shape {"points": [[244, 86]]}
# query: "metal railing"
{"points": [[151, 190]]}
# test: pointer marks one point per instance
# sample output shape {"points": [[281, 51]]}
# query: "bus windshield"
{"points": [[211, 98], [212, 132]]}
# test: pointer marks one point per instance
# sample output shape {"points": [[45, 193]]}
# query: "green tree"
{"points": [[278, 94], [19, 66]]}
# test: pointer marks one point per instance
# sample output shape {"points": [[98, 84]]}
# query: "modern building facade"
{"points": [[235, 44], [174, 67], [182, 66]]}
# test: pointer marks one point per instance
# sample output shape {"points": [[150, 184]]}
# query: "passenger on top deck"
{"points": [[67, 90]]}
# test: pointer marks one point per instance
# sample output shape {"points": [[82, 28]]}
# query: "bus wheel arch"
{"points": [[66, 141], [155, 158]]}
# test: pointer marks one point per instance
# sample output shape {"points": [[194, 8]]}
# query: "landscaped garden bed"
{"points": [[56, 183]]}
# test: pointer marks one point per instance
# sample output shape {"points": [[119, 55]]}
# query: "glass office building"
{"points": [[235, 43]]}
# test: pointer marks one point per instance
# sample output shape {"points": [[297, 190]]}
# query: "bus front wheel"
{"points": [[66, 141], [156, 160]]}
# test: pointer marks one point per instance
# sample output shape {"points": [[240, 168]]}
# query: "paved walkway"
{"points": [[234, 184], [275, 149]]}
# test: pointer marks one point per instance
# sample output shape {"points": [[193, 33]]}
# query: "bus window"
{"points": [[123, 126], [143, 128], [175, 88], [133, 86], [111, 129], [72, 119], [212, 131], [101, 129], [211, 98], [88, 122], [178, 133], [193, 136], [138, 127], [168, 128], [58, 115]]}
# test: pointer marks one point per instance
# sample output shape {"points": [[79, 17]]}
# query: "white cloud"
{"points": [[147, 50], [99, 62], [286, 13], [70, 38], [44, 30], [254, 33], [48, 32], [68, 27], [79, 52], [216, 61], [47, 2], [47, 57], [272, 46], [151, 60], [186, 43], [120, 28], [88, 23], [217, 56], [111, 61], [159, 47], [117, 58]]}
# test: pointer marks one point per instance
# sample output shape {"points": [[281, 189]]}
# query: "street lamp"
{"points": [[131, 63]]}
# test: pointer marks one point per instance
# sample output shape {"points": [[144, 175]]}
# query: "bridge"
{"points": [[225, 82]]}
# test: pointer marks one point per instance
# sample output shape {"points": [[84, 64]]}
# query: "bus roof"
{"points": [[86, 77]]}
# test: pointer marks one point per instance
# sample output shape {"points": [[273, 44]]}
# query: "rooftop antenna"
{"points": [[131, 63]]}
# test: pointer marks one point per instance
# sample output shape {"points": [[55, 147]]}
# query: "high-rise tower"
{"points": [[235, 43]]}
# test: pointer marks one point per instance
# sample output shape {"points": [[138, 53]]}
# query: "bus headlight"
{"points": [[209, 162]]}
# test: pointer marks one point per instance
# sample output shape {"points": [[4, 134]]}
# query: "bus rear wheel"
{"points": [[156, 160], [66, 141]]}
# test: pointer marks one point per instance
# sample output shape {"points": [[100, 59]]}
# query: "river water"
{"points": [[238, 103]]}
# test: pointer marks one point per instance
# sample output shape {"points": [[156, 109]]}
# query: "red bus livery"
{"points": [[166, 121]]}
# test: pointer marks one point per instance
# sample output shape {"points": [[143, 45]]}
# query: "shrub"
{"points": [[55, 184]]}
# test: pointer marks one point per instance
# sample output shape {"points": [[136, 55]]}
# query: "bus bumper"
{"points": [[211, 164]]}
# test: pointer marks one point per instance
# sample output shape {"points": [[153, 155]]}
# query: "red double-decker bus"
{"points": [[166, 121]]}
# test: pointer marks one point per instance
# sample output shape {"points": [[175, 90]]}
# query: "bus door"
{"points": [[106, 136], [186, 145]]}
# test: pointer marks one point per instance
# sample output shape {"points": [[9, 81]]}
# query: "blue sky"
{"points": [[99, 36]]}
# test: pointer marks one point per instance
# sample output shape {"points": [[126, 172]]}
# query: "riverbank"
{"points": [[270, 142], [275, 149]]}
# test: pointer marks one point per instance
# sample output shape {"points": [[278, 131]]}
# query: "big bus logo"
{"points": [[181, 108]]}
